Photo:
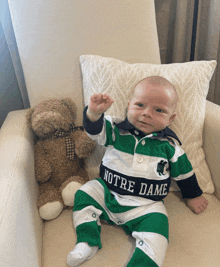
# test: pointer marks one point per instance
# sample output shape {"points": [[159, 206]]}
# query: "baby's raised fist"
{"points": [[98, 104]]}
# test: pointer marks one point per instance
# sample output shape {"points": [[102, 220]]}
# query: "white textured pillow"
{"points": [[191, 80]]}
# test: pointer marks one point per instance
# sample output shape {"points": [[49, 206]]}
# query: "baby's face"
{"points": [[152, 108]]}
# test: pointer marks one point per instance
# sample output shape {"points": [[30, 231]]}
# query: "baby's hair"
{"points": [[155, 81]]}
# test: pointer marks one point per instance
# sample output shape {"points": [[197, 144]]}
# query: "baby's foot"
{"points": [[81, 253]]}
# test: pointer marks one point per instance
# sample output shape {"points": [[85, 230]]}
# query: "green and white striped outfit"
{"points": [[135, 176]]}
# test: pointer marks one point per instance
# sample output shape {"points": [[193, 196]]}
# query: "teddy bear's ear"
{"points": [[29, 115], [68, 102]]}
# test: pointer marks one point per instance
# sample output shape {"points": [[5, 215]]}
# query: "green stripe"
{"points": [[152, 222], [125, 143], [110, 201], [181, 166], [83, 200], [109, 130], [140, 259], [156, 148], [89, 232]]}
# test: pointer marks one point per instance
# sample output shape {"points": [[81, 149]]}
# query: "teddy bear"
{"points": [[60, 152]]}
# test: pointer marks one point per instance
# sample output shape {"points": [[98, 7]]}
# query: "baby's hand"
{"points": [[99, 103], [198, 204]]}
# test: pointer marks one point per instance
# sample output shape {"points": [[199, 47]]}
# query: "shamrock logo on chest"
{"points": [[162, 167]]}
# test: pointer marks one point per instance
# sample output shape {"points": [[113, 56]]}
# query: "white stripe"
{"points": [[118, 161], [124, 217], [101, 137], [96, 191], [152, 244], [132, 201], [136, 165], [88, 214], [178, 152], [184, 176]]}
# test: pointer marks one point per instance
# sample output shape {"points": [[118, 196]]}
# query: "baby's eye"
{"points": [[140, 105], [159, 110]]}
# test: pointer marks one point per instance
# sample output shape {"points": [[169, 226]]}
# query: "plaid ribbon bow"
{"points": [[70, 146]]}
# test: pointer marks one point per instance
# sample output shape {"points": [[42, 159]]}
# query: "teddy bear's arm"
{"points": [[84, 145], [43, 168]]}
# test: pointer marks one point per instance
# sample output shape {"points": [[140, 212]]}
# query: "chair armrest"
{"points": [[211, 143], [20, 224]]}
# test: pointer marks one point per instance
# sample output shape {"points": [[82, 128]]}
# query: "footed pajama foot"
{"points": [[82, 252]]}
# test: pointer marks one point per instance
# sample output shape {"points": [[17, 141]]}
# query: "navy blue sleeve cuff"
{"points": [[90, 127], [189, 187]]}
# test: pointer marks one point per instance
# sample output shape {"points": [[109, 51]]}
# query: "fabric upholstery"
{"points": [[20, 223], [211, 142]]}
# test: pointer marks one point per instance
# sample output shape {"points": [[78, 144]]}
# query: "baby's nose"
{"points": [[147, 112]]}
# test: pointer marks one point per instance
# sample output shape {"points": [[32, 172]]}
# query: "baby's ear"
{"points": [[172, 117]]}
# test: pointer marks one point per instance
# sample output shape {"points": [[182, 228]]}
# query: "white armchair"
{"points": [[51, 36]]}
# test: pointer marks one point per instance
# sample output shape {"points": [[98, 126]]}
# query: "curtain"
{"points": [[13, 93], [190, 30], [207, 44]]}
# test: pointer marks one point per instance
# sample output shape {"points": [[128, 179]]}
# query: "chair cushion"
{"points": [[191, 80], [194, 239]]}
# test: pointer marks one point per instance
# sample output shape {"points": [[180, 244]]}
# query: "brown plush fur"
{"points": [[53, 170]]}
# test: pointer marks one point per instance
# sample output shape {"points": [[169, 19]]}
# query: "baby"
{"points": [[141, 157]]}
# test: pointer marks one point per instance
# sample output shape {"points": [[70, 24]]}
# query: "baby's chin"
{"points": [[144, 130], [147, 129], [144, 127]]}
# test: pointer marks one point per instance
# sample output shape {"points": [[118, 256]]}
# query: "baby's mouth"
{"points": [[145, 123]]}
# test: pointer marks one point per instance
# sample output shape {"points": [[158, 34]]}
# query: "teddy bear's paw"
{"points": [[68, 193], [51, 210]]}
